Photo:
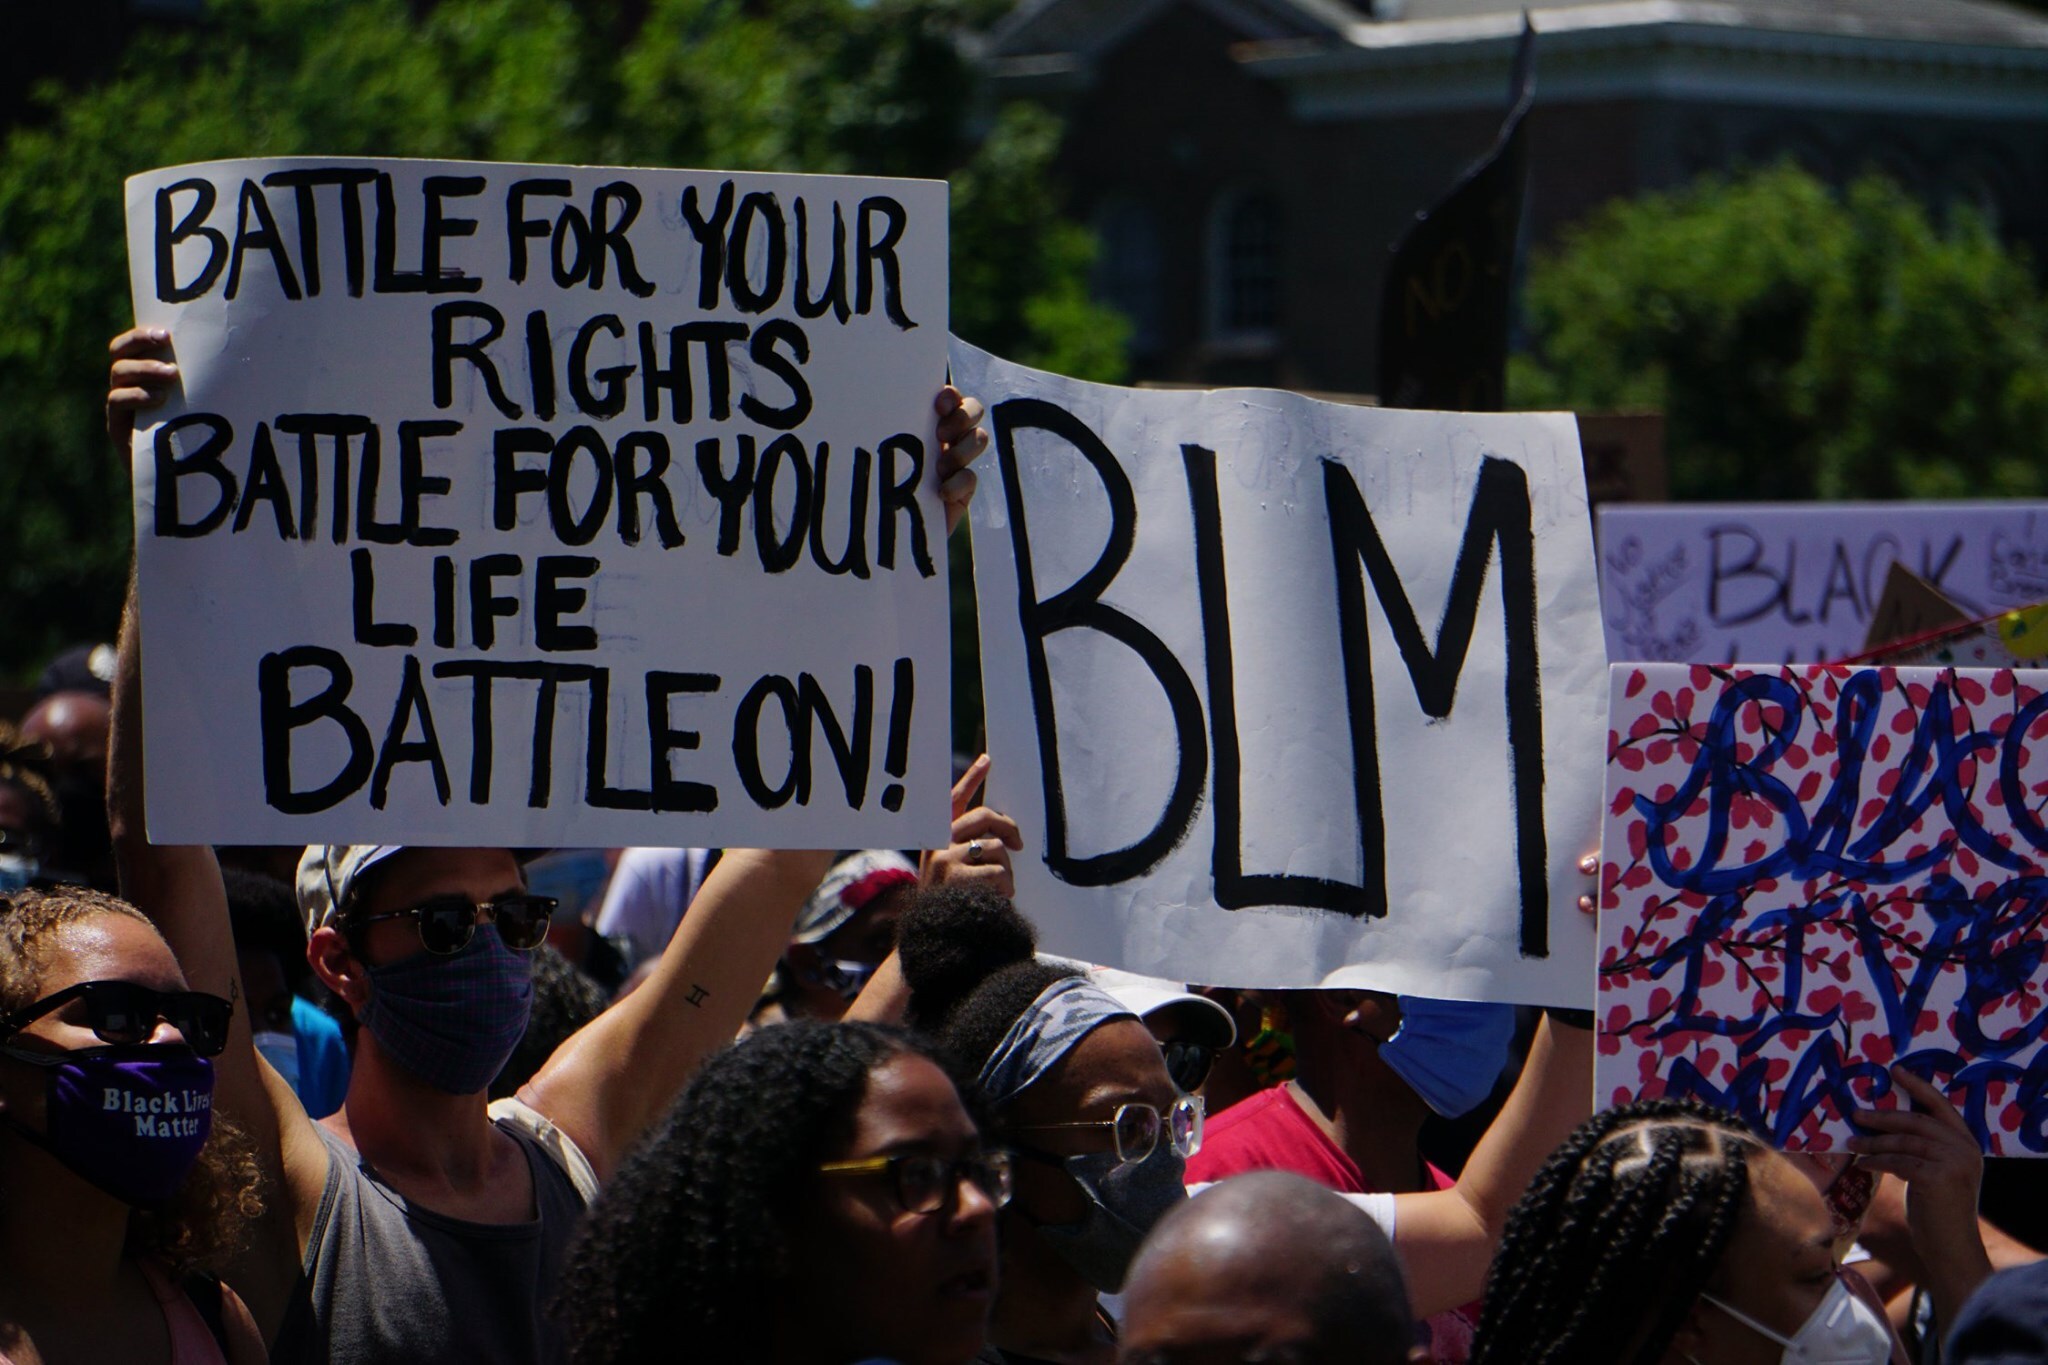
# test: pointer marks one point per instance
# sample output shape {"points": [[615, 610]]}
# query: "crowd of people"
{"points": [[408, 1104]]}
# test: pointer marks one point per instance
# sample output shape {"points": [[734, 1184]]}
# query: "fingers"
{"points": [[983, 839], [961, 441], [138, 341], [1589, 866], [970, 781], [1929, 1099], [1897, 1144], [961, 438], [991, 826], [138, 377], [979, 863], [956, 494]]}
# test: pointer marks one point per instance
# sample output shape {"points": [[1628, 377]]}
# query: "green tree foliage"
{"points": [[1803, 343], [850, 86]]}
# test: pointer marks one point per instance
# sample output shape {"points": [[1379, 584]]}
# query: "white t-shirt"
{"points": [[649, 891]]}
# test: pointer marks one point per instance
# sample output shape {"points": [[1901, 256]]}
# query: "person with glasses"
{"points": [[1191, 1030], [820, 1195], [1059, 1062], [118, 1187], [844, 932], [420, 1223], [1081, 1096]]}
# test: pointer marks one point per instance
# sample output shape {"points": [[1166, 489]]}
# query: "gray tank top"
{"points": [[385, 1281]]}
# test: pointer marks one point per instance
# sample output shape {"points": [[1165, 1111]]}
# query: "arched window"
{"points": [[1128, 269], [1244, 268]]}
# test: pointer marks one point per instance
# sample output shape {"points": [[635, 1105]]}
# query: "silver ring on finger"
{"points": [[974, 850]]}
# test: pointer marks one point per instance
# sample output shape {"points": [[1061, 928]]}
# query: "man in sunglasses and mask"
{"points": [[420, 1224]]}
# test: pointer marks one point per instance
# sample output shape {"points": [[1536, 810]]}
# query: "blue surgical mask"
{"points": [[452, 1019], [1450, 1051]]}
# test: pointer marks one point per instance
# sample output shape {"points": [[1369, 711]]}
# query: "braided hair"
{"points": [[1611, 1244], [684, 1255]]}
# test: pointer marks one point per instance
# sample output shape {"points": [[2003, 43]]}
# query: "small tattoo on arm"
{"points": [[696, 996]]}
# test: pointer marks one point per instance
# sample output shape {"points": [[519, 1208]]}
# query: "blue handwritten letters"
{"points": [[1813, 874]]}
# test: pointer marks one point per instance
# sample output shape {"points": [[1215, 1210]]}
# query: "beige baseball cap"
{"points": [[328, 872]]}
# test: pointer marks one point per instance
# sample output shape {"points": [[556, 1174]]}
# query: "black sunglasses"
{"points": [[122, 1012], [447, 923], [1188, 1063]]}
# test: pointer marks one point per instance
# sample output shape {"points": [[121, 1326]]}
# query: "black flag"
{"points": [[1444, 304]]}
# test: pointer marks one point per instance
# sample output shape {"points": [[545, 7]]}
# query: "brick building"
{"points": [[1247, 163]]}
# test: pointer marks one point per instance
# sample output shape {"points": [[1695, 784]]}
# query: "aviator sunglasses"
{"points": [[447, 923], [124, 1013]]}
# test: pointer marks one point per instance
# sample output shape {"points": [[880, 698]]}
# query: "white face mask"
{"points": [[1843, 1330]]}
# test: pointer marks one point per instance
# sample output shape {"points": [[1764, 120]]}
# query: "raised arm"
{"points": [[179, 888], [1447, 1238], [617, 1074], [978, 855], [1929, 1146]]}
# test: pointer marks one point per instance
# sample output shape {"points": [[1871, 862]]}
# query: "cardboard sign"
{"points": [[1287, 693], [1812, 874], [2011, 639], [1908, 608], [1801, 582], [542, 505]]}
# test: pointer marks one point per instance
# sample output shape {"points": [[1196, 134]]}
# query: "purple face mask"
{"points": [[129, 1119]]}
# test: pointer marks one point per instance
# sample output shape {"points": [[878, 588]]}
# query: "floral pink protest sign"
{"points": [[1811, 874]]}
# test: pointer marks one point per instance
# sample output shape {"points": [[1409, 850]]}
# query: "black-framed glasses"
{"points": [[925, 1183], [123, 1012], [447, 923], [1188, 1062], [1137, 1127]]}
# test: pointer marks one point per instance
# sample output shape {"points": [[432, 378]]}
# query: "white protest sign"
{"points": [[1799, 582], [1287, 693], [542, 505]]}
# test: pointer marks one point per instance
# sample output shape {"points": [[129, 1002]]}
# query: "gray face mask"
{"points": [[1124, 1201]]}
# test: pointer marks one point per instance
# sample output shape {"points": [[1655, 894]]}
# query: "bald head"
{"points": [[1263, 1266]]}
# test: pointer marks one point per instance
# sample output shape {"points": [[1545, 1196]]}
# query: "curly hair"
{"points": [[968, 956], [1611, 1244], [207, 1220], [29, 917], [685, 1250]]}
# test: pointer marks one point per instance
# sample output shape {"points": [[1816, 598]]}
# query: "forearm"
{"points": [[615, 1077], [1554, 1096], [1954, 1263], [179, 888], [886, 997]]}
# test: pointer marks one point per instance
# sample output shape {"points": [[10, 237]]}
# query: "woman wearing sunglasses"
{"points": [[818, 1196], [116, 1184]]}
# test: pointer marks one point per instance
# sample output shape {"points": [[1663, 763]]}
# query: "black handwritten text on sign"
{"points": [[480, 473], [1166, 560]]}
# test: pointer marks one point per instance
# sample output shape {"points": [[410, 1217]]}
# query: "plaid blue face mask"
{"points": [[452, 1019]]}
